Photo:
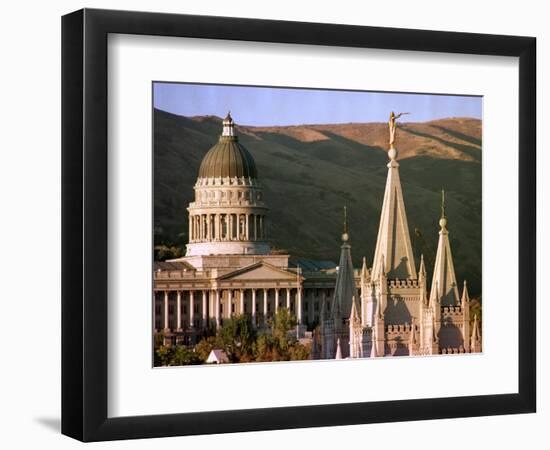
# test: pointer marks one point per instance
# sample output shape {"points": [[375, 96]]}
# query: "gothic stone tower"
{"points": [[335, 323]]}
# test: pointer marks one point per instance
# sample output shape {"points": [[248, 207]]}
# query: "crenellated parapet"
{"points": [[403, 284], [399, 329], [450, 311], [452, 351]]}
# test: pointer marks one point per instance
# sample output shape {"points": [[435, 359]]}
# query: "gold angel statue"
{"points": [[392, 125]]}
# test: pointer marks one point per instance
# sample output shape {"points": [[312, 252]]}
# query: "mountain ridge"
{"points": [[309, 172]]}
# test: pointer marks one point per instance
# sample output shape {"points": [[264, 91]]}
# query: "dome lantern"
{"points": [[228, 126], [228, 158]]}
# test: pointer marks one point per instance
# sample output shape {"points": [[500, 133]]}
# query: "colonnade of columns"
{"points": [[226, 227], [179, 310]]}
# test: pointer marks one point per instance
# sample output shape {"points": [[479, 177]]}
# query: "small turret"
{"points": [[373, 352], [378, 336], [413, 339], [465, 304], [365, 274], [422, 270], [435, 339], [465, 300], [355, 332], [338, 350], [475, 343]]}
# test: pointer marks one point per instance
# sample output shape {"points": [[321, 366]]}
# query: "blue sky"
{"points": [[283, 106]]}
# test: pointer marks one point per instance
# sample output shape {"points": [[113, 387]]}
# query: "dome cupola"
{"points": [[228, 215], [228, 158]]}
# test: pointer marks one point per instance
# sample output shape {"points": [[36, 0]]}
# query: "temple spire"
{"points": [[394, 243], [444, 284], [344, 289]]}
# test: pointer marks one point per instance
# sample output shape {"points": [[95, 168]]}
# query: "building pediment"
{"points": [[260, 271]]}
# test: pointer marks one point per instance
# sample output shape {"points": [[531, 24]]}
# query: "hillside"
{"points": [[309, 172]]}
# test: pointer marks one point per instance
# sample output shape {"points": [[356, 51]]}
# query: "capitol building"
{"points": [[389, 308]]}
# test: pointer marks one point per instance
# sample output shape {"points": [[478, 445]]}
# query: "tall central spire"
{"points": [[393, 245]]}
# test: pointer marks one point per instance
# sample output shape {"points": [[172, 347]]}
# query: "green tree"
{"points": [[183, 356], [237, 337], [279, 344], [178, 355], [283, 322], [205, 346], [163, 355]]}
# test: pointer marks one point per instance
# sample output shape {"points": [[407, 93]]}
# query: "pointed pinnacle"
{"points": [[465, 295]]}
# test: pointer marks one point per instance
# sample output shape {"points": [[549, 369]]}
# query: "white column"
{"points": [[204, 308], [217, 308], [166, 324], [323, 301], [246, 224], [191, 309], [229, 302], [190, 229], [254, 306], [299, 305], [276, 300], [198, 226], [218, 226], [241, 301], [230, 227], [265, 305], [178, 311], [197, 229]]}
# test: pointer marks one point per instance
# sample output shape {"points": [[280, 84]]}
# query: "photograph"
{"points": [[295, 224]]}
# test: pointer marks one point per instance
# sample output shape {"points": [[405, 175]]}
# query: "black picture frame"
{"points": [[84, 224]]}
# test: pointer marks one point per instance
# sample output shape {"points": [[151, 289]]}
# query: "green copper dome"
{"points": [[228, 158]]}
